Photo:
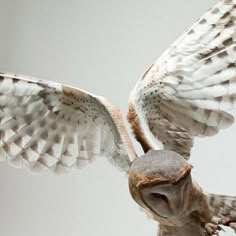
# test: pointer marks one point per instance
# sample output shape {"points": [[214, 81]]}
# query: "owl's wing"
{"points": [[222, 206], [49, 126], [187, 91]]}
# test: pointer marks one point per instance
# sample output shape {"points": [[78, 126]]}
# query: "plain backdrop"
{"points": [[103, 47]]}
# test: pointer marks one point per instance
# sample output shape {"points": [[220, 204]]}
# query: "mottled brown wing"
{"points": [[222, 205], [49, 126], [187, 91]]}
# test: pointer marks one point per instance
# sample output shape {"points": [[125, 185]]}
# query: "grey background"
{"points": [[103, 47]]}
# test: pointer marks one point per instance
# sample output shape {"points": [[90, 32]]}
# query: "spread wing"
{"points": [[187, 91], [49, 126]]}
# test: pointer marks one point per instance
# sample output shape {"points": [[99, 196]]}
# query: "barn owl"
{"points": [[184, 94]]}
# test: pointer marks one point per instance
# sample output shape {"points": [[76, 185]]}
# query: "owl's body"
{"points": [[173, 199]]}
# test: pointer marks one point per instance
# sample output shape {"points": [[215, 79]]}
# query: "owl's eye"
{"points": [[160, 196]]}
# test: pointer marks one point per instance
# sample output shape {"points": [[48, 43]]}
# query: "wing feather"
{"points": [[222, 205], [190, 86], [49, 126]]}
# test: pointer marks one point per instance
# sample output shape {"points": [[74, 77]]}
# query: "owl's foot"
{"points": [[212, 228]]}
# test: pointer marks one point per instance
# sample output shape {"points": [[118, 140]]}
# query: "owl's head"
{"points": [[161, 182]]}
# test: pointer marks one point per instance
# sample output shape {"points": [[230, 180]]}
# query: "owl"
{"points": [[47, 126]]}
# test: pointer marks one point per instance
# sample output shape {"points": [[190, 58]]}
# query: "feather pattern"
{"points": [[45, 125], [191, 86], [223, 206]]}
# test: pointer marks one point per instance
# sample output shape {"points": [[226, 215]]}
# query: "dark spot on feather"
{"points": [[15, 127], [94, 118], [225, 83], [191, 31], [50, 108], [25, 155], [67, 153], [44, 135], [30, 131], [50, 151], [231, 65], [206, 55], [219, 99], [15, 80], [28, 119], [194, 108], [42, 94], [56, 112], [180, 77], [202, 21], [42, 112], [215, 10], [205, 128], [222, 54], [218, 34], [54, 125], [1, 78], [232, 100], [56, 138], [42, 161], [46, 101], [18, 141], [208, 61], [226, 15], [207, 113], [5, 148], [228, 41], [30, 82], [229, 24], [35, 146], [42, 123]]}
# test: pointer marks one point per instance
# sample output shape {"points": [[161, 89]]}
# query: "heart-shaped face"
{"points": [[167, 200], [161, 182]]}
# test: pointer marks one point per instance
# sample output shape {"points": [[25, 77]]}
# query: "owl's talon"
{"points": [[212, 228]]}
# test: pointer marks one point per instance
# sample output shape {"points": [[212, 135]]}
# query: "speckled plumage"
{"points": [[49, 126], [186, 93]]}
